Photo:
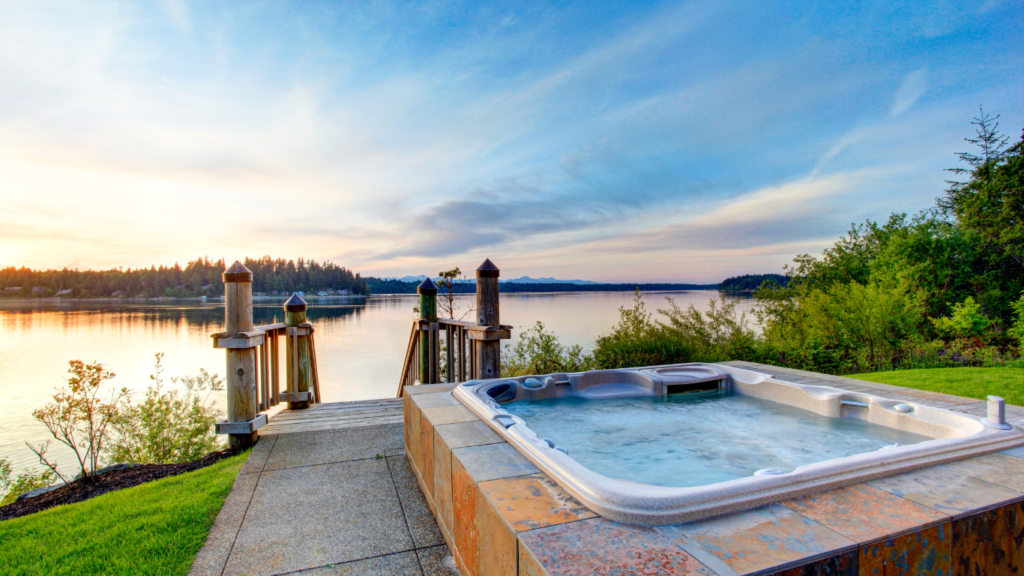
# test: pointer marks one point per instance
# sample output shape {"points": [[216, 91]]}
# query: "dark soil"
{"points": [[114, 480]]}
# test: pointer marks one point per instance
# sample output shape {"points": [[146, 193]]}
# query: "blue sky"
{"points": [[658, 141]]}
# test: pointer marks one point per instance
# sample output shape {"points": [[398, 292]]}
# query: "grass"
{"points": [[969, 382], [155, 528]]}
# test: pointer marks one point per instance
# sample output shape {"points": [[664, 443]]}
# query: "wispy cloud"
{"points": [[399, 135]]}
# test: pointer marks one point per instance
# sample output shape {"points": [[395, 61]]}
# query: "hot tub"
{"points": [[668, 444]]}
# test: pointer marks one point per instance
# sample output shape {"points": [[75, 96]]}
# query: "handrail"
{"points": [[451, 322], [411, 362]]}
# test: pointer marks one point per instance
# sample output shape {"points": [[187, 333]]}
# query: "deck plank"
{"points": [[335, 416]]}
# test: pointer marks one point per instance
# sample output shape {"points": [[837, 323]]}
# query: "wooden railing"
{"points": [[253, 352], [471, 349]]}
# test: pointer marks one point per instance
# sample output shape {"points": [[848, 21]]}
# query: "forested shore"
{"points": [[200, 277]]}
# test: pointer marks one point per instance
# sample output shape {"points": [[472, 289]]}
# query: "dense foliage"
{"points": [[750, 282], [200, 277]]}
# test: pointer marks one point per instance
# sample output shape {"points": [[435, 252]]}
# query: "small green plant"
{"points": [[27, 481], [539, 352], [966, 321], [171, 424], [79, 417]]}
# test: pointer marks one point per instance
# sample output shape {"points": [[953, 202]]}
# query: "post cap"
{"points": [[487, 270], [295, 304], [427, 287], [237, 273]]}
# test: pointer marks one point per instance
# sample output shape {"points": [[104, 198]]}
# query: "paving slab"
{"points": [[308, 517], [260, 453], [401, 564], [214, 554], [437, 561], [330, 446], [418, 517], [997, 469]]}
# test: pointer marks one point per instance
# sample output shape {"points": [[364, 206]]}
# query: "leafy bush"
{"points": [[966, 321], [539, 352], [79, 418], [850, 327], [170, 425], [685, 335], [27, 481]]}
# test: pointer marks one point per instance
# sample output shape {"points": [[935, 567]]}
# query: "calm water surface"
{"points": [[360, 343]]}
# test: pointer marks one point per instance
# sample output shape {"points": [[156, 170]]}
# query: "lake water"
{"points": [[360, 343]]}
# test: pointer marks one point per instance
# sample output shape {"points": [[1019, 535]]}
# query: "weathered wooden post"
{"points": [[298, 363], [240, 339], [488, 333], [429, 352]]}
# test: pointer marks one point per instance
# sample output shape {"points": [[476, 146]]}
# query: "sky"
{"points": [[648, 141]]}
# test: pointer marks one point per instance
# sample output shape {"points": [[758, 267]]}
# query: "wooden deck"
{"points": [[335, 416]]}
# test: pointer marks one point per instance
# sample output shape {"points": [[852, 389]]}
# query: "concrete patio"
{"points": [[326, 502]]}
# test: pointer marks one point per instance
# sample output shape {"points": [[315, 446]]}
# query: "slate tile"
{"points": [[863, 513], [761, 538], [926, 552], [946, 491], [535, 501], [990, 543]]}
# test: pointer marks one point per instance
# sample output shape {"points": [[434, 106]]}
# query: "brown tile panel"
{"points": [[863, 513], [599, 547], [446, 438], [486, 544], [926, 552], [946, 491], [990, 543], [993, 468], [535, 501], [762, 538], [426, 447], [842, 565]]}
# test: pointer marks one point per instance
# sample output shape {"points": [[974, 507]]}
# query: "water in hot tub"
{"points": [[698, 439]]}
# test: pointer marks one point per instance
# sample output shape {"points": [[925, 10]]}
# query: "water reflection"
{"points": [[360, 342]]}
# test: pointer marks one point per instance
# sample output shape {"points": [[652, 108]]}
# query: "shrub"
{"points": [[967, 320], [539, 352], [79, 417], [27, 481], [170, 425], [1017, 330], [638, 341]]}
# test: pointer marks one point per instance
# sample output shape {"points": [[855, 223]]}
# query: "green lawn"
{"points": [[155, 528], [970, 382]]}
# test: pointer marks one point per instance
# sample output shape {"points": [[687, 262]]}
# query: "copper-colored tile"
{"points": [[762, 538], [535, 501], [990, 543], [923, 553], [446, 438], [998, 469], [599, 547], [427, 452], [863, 513], [946, 491], [464, 529]]}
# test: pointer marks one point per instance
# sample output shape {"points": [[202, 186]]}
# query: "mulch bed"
{"points": [[107, 482]]}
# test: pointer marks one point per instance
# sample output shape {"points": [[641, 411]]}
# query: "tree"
{"points": [[79, 417], [449, 288]]}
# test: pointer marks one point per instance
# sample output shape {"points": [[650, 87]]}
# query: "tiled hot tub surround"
{"points": [[955, 436], [502, 516]]}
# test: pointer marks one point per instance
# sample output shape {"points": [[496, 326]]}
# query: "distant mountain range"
{"points": [[521, 280]]}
